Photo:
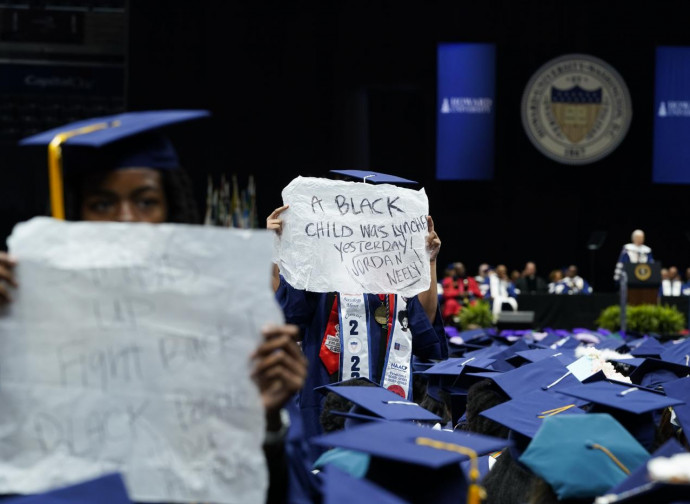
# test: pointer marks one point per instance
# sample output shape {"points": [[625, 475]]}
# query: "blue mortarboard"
{"points": [[529, 356], [678, 353], [417, 463], [582, 456], [650, 347], [622, 397], [373, 177], [632, 406], [613, 343], [527, 413], [341, 488], [506, 353], [453, 367], [654, 372], [652, 492], [680, 389], [108, 489], [131, 139], [377, 402], [639, 477], [546, 374]]}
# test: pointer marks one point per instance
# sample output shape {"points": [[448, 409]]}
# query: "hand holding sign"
{"points": [[354, 237], [433, 242]]}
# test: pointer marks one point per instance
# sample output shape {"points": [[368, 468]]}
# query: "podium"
{"points": [[644, 280]]}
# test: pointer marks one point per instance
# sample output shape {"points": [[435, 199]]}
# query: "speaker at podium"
{"points": [[644, 280]]}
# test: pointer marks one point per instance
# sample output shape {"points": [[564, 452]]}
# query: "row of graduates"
{"points": [[515, 417]]}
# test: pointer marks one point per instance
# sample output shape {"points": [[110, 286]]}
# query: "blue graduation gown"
{"points": [[310, 312]]}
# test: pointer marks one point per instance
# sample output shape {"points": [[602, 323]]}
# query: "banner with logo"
{"points": [[672, 116], [465, 111]]}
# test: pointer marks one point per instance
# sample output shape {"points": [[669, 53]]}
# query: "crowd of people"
{"points": [[496, 286], [387, 409]]}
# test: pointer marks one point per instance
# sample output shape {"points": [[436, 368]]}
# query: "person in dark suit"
{"points": [[529, 282]]}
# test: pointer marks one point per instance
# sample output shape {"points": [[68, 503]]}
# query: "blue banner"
{"points": [[465, 111], [672, 116]]}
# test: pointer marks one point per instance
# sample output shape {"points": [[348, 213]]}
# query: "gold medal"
{"points": [[381, 315]]}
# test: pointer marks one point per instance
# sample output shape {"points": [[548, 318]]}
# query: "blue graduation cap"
{"points": [[618, 396], [582, 456], [131, 139], [638, 478], [530, 356], [108, 489], [417, 463], [652, 373], [373, 403], [678, 353], [652, 492], [373, 177], [547, 374], [341, 488], [453, 367], [504, 355], [650, 347], [613, 343], [526, 414], [633, 406], [680, 389]]}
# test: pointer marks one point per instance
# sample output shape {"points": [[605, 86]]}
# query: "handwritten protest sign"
{"points": [[127, 348], [354, 237]]}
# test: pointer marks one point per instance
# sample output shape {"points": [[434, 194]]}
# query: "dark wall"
{"points": [[299, 88]]}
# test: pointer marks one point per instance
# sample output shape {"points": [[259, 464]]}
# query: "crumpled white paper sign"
{"points": [[354, 237], [127, 348]]}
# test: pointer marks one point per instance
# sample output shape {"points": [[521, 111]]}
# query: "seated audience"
{"points": [[529, 282]]}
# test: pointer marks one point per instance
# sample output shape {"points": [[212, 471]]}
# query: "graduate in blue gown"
{"points": [[317, 314]]}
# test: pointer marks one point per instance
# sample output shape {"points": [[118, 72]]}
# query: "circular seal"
{"points": [[643, 272], [576, 109], [355, 345]]}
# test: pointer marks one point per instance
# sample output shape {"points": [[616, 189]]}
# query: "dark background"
{"points": [[298, 88]]}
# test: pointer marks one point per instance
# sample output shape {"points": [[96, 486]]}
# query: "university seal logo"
{"points": [[576, 109]]}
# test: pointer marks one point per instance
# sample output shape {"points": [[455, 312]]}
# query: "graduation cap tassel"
{"points": [[596, 446], [475, 493], [57, 192]]}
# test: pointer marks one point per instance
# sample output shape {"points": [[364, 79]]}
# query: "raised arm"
{"points": [[429, 298]]}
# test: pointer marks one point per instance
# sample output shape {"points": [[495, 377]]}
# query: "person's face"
{"points": [[129, 195], [501, 271], [672, 272], [664, 274], [638, 238], [460, 269], [572, 271], [557, 276], [530, 269]]}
